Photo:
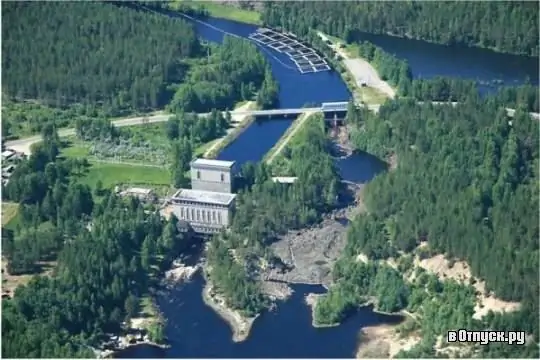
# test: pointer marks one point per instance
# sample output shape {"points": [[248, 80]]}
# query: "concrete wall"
{"points": [[212, 216], [211, 180]]}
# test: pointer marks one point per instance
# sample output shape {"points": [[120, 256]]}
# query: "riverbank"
{"points": [[361, 77], [311, 300], [239, 123], [228, 10], [284, 140], [383, 341], [147, 327], [239, 324], [380, 341]]}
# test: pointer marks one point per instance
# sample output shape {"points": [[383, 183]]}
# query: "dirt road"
{"points": [[361, 70]]}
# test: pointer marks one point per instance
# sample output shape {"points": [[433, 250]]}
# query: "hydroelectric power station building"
{"points": [[209, 205]]}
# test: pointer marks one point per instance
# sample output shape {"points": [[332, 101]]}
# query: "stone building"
{"points": [[212, 175], [209, 205], [206, 211]]}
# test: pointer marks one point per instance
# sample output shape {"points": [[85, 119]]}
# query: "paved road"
{"points": [[23, 145]]}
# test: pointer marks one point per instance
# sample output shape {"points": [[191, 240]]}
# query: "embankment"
{"points": [[284, 140], [240, 324], [239, 123]]}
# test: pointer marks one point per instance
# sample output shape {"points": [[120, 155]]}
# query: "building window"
{"points": [[219, 218], [222, 177], [198, 174], [181, 213], [214, 217], [192, 214], [203, 215], [187, 214], [198, 215]]}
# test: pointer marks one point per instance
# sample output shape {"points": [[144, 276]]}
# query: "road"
{"points": [[23, 145], [361, 70]]}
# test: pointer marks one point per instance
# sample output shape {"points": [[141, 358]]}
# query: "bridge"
{"points": [[23, 145], [340, 106]]}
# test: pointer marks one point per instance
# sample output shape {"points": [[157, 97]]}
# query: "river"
{"points": [[490, 69], [193, 329]]}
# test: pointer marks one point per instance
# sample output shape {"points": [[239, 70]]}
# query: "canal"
{"points": [[193, 329]]}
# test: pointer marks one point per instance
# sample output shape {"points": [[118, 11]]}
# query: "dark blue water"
{"points": [[489, 68], [360, 167], [295, 90], [255, 141], [195, 331]]}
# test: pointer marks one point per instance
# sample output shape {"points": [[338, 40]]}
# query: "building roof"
{"points": [[212, 163], [139, 191], [284, 179], [208, 197], [7, 153]]}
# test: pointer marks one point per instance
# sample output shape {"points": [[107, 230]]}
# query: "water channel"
{"points": [[193, 329]]}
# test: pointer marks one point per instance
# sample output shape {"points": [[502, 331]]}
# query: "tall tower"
{"points": [[212, 175]]}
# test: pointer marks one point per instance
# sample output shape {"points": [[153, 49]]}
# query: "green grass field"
{"points": [[226, 11], [112, 174]]}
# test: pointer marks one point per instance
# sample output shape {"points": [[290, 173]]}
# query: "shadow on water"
{"points": [[195, 331], [360, 167]]}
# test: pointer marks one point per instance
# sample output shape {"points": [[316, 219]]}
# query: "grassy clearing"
{"points": [[152, 133], [11, 282], [112, 174], [284, 140], [9, 211], [225, 11]]}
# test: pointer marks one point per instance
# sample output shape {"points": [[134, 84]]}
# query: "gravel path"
{"points": [[361, 70]]}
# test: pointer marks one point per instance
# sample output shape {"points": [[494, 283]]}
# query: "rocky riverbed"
{"points": [[309, 254]]}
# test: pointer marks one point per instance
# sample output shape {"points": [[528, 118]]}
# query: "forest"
{"points": [[266, 209], [93, 53], [505, 26], [108, 253], [102, 60], [465, 184], [234, 70]]}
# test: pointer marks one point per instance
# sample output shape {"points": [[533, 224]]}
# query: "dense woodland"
{"points": [[507, 26], [466, 181], [105, 254], [93, 53], [266, 209], [233, 71], [97, 59]]}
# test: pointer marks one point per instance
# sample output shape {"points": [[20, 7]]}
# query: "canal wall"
{"points": [[284, 140]]}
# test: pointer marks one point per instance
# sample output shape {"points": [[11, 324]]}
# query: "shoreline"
{"points": [[139, 328], [312, 298], [238, 125], [278, 147], [239, 324], [377, 341]]}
